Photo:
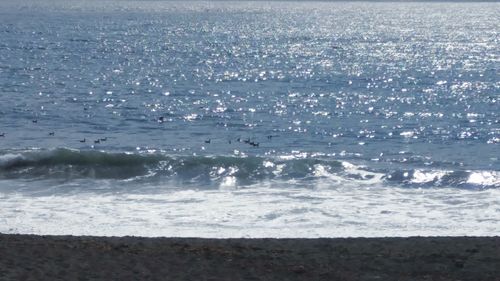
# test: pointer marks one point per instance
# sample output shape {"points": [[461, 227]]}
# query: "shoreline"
{"points": [[32, 257]]}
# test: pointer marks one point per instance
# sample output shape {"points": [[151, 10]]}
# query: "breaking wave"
{"points": [[217, 171]]}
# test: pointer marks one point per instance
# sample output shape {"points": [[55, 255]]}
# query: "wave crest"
{"points": [[223, 171]]}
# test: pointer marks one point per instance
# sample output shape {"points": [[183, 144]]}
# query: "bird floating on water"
{"points": [[255, 144], [84, 140]]}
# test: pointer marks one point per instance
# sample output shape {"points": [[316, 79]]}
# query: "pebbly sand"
{"points": [[30, 257]]}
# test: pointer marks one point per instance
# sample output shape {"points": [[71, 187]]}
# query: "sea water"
{"points": [[249, 119]]}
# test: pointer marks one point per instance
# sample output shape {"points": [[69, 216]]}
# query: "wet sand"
{"points": [[29, 257]]}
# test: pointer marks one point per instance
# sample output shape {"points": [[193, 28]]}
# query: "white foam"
{"points": [[488, 178], [258, 212], [349, 166], [428, 176]]}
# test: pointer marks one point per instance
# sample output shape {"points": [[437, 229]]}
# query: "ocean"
{"points": [[249, 119]]}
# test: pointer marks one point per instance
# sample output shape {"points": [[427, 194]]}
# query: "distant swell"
{"points": [[216, 171]]}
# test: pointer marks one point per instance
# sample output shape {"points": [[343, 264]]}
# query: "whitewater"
{"points": [[249, 119]]}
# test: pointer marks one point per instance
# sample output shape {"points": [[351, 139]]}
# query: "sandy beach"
{"points": [[30, 257]]}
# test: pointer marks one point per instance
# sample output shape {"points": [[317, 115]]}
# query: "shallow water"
{"points": [[231, 119]]}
